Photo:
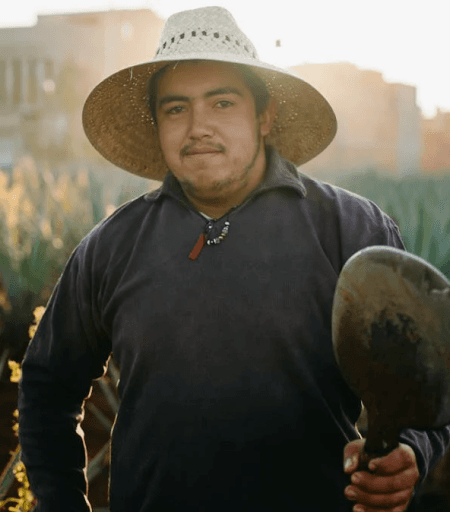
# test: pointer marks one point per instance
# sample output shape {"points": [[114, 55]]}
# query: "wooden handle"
{"points": [[382, 438]]}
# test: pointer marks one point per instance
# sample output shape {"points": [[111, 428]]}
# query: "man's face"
{"points": [[209, 133]]}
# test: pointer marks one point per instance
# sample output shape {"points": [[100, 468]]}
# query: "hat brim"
{"points": [[118, 123]]}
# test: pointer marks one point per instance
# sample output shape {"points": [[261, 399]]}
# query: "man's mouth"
{"points": [[202, 152], [206, 150]]}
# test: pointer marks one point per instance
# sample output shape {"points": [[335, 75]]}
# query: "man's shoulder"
{"points": [[120, 227], [338, 201], [326, 203], [318, 189], [346, 222]]}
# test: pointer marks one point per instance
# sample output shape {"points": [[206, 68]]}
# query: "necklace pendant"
{"points": [[193, 255], [204, 240]]}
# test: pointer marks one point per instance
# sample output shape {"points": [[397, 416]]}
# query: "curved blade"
{"points": [[391, 337]]}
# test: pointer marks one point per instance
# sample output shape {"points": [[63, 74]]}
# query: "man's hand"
{"points": [[389, 487]]}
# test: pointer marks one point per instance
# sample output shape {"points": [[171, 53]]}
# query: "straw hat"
{"points": [[118, 122]]}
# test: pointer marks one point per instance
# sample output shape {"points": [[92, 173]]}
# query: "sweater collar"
{"points": [[280, 173]]}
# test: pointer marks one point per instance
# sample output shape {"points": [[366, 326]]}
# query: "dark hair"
{"points": [[255, 84]]}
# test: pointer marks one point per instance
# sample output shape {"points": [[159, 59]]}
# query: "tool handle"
{"points": [[381, 439]]}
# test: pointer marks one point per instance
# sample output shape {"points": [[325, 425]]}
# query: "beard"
{"points": [[217, 187]]}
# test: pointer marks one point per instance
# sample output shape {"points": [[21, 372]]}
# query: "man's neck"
{"points": [[212, 210], [218, 206]]}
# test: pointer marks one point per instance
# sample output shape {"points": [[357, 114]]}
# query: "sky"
{"points": [[406, 40]]}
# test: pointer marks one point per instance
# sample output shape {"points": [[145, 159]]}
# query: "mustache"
{"points": [[186, 149]]}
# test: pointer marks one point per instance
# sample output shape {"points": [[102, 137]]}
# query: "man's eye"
{"points": [[177, 109], [224, 103]]}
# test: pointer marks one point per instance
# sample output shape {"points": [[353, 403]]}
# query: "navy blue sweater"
{"points": [[230, 395]]}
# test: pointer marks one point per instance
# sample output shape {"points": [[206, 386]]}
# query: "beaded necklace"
{"points": [[204, 237], [222, 235]]}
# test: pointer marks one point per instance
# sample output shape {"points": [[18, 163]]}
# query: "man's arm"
{"points": [[51, 440], [67, 352]]}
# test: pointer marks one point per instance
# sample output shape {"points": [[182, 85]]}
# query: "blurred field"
{"points": [[44, 213]]}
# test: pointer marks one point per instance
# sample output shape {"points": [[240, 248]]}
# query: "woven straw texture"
{"points": [[118, 123]]}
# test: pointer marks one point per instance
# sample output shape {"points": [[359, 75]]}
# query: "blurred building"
{"points": [[436, 140], [47, 70], [379, 123]]}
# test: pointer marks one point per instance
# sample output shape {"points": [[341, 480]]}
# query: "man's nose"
{"points": [[200, 123]]}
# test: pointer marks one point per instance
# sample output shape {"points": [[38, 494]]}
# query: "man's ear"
{"points": [[267, 118]]}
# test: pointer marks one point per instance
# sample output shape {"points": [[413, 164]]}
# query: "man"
{"points": [[214, 296]]}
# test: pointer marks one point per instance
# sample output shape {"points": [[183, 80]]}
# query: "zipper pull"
{"points": [[193, 255]]}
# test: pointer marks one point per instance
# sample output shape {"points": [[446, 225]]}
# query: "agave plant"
{"points": [[420, 207]]}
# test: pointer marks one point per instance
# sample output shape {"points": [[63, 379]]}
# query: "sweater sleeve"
{"points": [[429, 447], [68, 351]]}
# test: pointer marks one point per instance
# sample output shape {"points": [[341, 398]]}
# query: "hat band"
{"points": [[196, 41]]}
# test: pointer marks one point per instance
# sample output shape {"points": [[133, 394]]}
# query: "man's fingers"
{"points": [[361, 508], [379, 501], [377, 484], [402, 458], [388, 486], [352, 453]]}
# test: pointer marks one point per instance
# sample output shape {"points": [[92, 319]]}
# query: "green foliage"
{"points": [[44, 214], [16, 469], [420, 207]]}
